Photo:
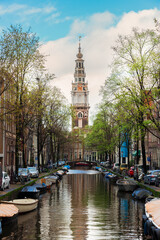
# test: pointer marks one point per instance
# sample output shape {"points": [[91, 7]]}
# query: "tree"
{"points": [[56, 120], [19, 58], [102, 135], [134, 74]]}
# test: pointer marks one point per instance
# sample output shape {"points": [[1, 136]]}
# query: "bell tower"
{"points": [[80, 93]]}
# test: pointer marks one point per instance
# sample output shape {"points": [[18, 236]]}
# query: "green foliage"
{"points": [[102, 135]]}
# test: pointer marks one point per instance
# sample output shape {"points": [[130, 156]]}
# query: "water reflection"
{"points": [[83, 206]]}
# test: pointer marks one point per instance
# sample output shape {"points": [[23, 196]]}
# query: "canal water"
{"points": [[83, 206]]}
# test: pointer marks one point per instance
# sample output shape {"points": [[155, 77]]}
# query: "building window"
{"points": [[79, 64], [83, 79], [79, 79], [80, 115], [76, 80]]}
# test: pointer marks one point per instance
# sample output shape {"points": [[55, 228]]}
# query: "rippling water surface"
{"points": [[83, 206]]}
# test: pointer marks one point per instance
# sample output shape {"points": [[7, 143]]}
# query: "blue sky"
{"points": [[59, 23], [52, 19]]}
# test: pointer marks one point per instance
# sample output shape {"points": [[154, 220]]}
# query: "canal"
{"points": [[82, 206]]}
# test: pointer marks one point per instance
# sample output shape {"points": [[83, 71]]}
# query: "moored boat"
{"points": [[42, 187], [67, 166], [108, 174], [98, 169], [141, 194], [126, 185], [47, 182], [29, 192], [60, 173], [65, 169], [23, 205], [8, 215], [151, 219], [113, 178], [52, 178]]}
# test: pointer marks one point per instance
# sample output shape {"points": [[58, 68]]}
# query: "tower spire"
{"points": [[80, 44], [79, 55]]}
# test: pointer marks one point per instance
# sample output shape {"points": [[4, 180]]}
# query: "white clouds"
{"points": [[91, 24], [25, 10], [53, 17], [11, 8], [142, 19], [100, 33], [102, 20]]}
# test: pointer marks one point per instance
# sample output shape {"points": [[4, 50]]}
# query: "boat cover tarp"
{"points": [[67, 166], [8, 210], [141, 193], [30, 189], [153, 210]]}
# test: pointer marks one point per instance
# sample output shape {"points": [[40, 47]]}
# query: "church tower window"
{"points": [[80, 115]]}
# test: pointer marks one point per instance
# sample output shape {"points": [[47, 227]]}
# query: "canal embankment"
{"points": [[152, 188], [15, 188]]}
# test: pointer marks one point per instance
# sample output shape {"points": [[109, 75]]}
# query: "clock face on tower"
{"points": [[79, 87]]}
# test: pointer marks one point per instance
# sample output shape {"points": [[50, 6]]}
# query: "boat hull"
{"points": [[41, 187], [29, 192], [24, 205], [126, 185]]}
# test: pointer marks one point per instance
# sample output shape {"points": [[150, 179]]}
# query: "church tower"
{"points": [[80, 93]]}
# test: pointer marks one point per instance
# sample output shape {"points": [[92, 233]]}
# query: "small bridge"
{"points": [[81, 163]]}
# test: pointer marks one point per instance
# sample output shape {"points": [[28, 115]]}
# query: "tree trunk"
{"points": [[128, 148], [17, 149], [119, 150], [137, 149], [38, 155], [143, 149], [42, 159], [52, 158], [23, 148]]}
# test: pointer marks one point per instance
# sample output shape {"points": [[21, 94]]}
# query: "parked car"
{"points": [[105, 164], [115, 166], [19, 171], [34, 173], [150, 177], [157, 181], [5, 180], [131, 171], [102, 163], [123, 167], [24, 174]]}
